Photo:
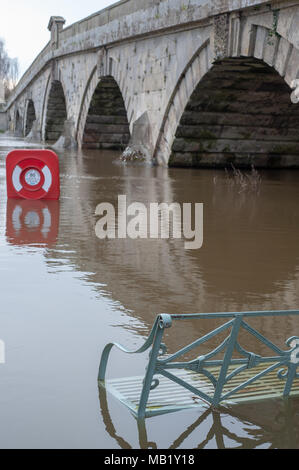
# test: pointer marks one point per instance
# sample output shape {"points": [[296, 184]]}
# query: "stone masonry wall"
{"points": [[239, 114]]}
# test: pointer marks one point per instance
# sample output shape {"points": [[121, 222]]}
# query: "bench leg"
{"points": [[290, 378], [147, 383], [227, 358]]}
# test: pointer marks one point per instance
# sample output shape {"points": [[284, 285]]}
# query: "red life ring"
{"points": [[32, 174], [32, 179]]}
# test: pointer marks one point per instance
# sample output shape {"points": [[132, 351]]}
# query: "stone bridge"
{"points": [[191, 83]]}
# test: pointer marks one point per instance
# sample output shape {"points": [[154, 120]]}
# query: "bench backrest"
{"points": [[226, 376]]}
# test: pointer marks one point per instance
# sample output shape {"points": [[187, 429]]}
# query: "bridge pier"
{"points": [[34, 134], [295, 94], [67, 140], [140, 144]]}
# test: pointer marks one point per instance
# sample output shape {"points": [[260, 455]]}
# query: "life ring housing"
{"points": [[32, 174]]}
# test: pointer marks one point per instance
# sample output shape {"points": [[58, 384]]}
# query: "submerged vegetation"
{"points": [[242, 180], [132, 154]]}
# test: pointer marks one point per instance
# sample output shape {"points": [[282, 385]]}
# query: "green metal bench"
{"points": [[169, 385]]}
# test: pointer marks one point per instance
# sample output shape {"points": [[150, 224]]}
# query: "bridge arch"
{"points": [[55, 111], [103, 120], [201, 126], [18, 123], [30, 116], [188, 81]]}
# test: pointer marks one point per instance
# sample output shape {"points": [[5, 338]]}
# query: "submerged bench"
{"points": [[169, 385]]}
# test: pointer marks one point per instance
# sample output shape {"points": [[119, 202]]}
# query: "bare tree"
{"points": [[9, 69]]}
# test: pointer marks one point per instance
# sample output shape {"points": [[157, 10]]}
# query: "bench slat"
{"points": [[169, 395]]}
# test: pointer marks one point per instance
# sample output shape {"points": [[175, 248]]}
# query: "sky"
{"points": [[24, 23]]}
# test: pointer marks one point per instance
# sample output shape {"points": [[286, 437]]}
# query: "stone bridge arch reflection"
{"points": [[249, 259], [145, 264]]}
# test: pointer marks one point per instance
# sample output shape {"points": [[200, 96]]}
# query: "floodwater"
{"points": [[65, 293]]}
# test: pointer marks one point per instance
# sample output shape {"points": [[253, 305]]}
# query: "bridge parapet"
{"points": [[55, 26], [126, 20], [38, 64]]}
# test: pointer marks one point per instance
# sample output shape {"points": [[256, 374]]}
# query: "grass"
{"points": [[244, 181]]}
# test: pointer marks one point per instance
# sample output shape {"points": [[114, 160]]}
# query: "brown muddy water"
{"points": [[65, 294]]}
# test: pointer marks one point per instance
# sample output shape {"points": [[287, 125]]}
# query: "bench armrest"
{"points": [[109, 346]]}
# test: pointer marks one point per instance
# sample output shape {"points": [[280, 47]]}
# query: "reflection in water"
{"points": [[93, 291], [237, 426], [32, 222], [249, 259], [250, 254]]}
